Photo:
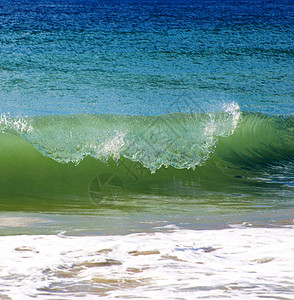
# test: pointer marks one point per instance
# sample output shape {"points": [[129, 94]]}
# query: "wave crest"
{"points": [[180, 140]]}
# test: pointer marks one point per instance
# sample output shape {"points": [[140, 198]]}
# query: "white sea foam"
{"points": [[236, 263], [223, 124], [18, 125], [233, 109], [112, 146]]}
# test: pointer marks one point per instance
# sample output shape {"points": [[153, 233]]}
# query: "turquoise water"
{"points": [[128, 57], [164, 119], [120, 100]]}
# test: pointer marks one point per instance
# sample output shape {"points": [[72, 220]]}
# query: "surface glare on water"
{"points": [[146, 149]]}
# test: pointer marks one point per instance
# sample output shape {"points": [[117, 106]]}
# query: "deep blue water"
{"points": [[139, 57], [150, 118], [228, 64]]}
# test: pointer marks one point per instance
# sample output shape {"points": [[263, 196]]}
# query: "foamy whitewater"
{"points": [[236, 263], [146, 149]]}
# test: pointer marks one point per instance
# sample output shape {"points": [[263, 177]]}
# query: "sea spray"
{"points": [[180, 140], [84, 158]]}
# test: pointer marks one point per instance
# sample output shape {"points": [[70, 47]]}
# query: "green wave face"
{"points": [[83, 160], [179, 140]]}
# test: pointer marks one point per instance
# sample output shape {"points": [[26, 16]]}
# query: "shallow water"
{"points": [[234, 263], [146, 149]]}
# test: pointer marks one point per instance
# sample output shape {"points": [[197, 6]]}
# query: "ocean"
{"points": [[146, 149]]}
